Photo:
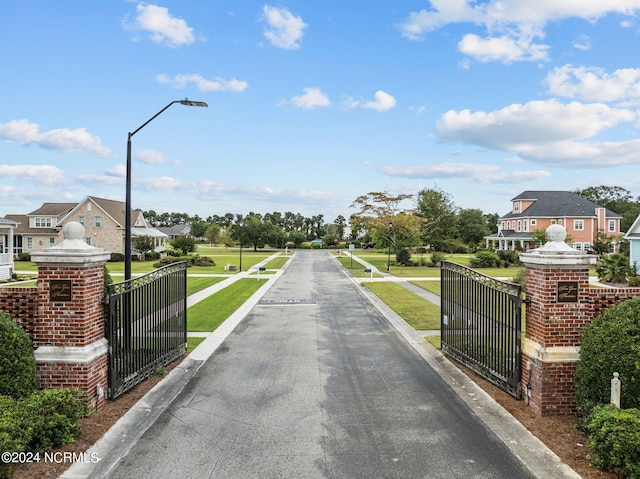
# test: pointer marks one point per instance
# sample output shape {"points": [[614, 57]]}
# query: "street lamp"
{"points": [[127, 206], [389, 247]]}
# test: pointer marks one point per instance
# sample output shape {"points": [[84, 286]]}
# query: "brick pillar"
{"points": [[70, 347], [557, 277]]}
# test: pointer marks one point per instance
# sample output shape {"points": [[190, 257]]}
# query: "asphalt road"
{"points": [[315, 383]]}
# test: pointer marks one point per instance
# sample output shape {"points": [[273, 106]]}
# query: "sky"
{"points": [[312, 104]]}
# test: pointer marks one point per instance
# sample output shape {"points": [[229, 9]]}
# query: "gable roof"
{"points": [[557, 204]]}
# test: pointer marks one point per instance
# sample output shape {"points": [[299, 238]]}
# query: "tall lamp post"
{"points": [[389, 247], [127, 206]]}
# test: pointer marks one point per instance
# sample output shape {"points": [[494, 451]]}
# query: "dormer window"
{"points": [[42, 222], [516, 206]]}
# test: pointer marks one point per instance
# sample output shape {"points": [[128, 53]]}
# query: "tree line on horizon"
{"points": [[429, 218]]}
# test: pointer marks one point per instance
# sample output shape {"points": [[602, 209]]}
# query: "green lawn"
{"points": [[355, 268], [195, 284], [192, 343], [417, 312], [431, 286], [209, 313]]}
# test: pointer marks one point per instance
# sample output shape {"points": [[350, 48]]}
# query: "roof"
{"points": [[53, 209], [510, 234], [7, 222], [176, 230], [557, 204], [23, 228], [151, 232]]}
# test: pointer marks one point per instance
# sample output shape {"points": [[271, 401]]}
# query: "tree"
{"points": [[616, 199], [186, 244], [213, 234], [438, 214], [340, 223], [388, 223], [198, 229], [472, 226], [143, 244]]}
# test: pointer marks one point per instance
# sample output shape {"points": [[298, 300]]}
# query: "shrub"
{"points": [[53, 416], [634, 281], [151, 255], [520, 277], [508, 256], [17, 364], [485, 259], [116, 257], [198, 260], [166, 261], [614, 438], [403, 257], [609, 344], [437, 258], [24, 256], [14, 436]]}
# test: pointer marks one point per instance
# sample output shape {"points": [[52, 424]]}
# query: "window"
{"points": [[587, 246], [81, 220], [88, 240], [553, 222], [534, 222], [578, 246], [519, 225], [612, 226], [516, 206], [43, 222], [97, 221], [526, 225], [29, 243], [52, 242], [578, 225]]}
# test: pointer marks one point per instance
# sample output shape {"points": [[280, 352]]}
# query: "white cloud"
{"points": [[440, 170], [583, 42], [545, 132], [207, 190], [284, 30], [217, 84], [161, 26], [480, 173], [41, 174], [504, 49], [311, 98], [62, 139], [159, 184], [534, 123], [151, 157], [594, 84], [511, 26], [383, 102]]}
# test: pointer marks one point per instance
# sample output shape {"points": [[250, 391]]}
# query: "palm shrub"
{"points": [[613, 268], [17, 365], [611, 343]]}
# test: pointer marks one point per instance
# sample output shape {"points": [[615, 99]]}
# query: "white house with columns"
{"points": [[6, 248]]}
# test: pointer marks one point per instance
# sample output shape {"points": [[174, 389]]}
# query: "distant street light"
{"points": [[389, 248], [127, 207]]}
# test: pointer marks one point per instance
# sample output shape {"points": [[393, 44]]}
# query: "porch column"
{"points": [[557, 310], [71, 350]]}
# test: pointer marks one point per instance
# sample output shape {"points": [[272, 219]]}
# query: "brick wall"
{"points": [[21, 304], [59, 323]]}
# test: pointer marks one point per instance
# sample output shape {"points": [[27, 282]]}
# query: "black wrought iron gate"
{"points": [[480, 326], [146, 325]]}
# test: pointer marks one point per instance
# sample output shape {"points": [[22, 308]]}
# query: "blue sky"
{"points": [[312, 104]]}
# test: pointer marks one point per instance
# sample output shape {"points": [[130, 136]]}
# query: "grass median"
{"points": [[419, 313], [209, 313]]}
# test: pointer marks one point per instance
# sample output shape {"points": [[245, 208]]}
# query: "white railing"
{"points": [[5, 258]]}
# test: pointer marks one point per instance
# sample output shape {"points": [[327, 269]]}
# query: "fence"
{"points": [[146, 325], [481, 321]]}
